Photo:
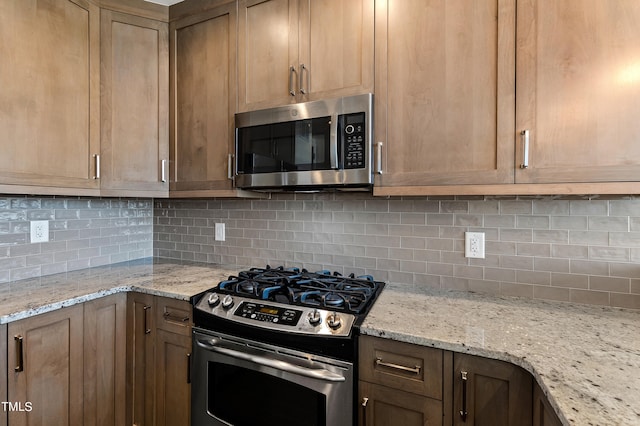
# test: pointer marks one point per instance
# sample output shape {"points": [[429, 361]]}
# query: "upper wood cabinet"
{"points": [[135, 106], [444, 91], [203, 101], [578, 75], [50, 97], [299, 50], [452, 119]]}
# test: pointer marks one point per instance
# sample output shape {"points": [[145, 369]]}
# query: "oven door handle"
{"points": [[314, 373]]}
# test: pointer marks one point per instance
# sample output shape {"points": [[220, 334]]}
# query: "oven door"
{"points": [[240, 382]]}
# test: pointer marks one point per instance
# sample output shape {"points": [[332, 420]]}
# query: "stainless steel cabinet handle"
{"points": [[230, 166], [414, 370], [525, 148], [365, 402], [146, 309], [292, 71], [463, 412], [19, 354], [379, 158], [303, 68], [315, 373], [163, 171], [96, 158], [188, 368]]}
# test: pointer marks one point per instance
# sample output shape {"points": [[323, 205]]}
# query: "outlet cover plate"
{"points": [[39, 231], [474, 245], [219, 232]]}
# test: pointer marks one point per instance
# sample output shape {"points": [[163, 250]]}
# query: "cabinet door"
{"points": [[50, 97], [141, 333], [203, 90], [444, 87], [267, 52], [105, 360], [135, 106], [383, 406], [335, 48], [579, 90], [45, 361], [494, 392], [543, 414], [173, 384]]}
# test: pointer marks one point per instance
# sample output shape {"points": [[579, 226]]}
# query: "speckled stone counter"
{"points": [[25, 298], [585, 358]]}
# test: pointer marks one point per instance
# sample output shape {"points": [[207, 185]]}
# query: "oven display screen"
{"points": [[268, 313], [268, 310]]}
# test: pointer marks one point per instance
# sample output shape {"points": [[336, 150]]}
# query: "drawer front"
{"points": [[399, 365], [174, 316]]}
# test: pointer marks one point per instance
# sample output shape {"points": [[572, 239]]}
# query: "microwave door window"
{"points": [[312, 144]]}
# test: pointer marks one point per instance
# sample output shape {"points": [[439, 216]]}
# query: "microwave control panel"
{"points": [[352, 129]]}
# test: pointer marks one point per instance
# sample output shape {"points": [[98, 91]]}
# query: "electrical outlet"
{"points": [[219, 233], [474, 244], [39, 231]]}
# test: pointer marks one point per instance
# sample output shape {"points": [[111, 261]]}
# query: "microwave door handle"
{"points": [[335, 142], [320, 374]]}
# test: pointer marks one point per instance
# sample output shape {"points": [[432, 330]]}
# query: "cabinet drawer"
{"points": [[174, 315], [404, 366]]}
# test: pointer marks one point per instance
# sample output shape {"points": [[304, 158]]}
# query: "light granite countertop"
{"points": [[178, 280], [585, 358]]}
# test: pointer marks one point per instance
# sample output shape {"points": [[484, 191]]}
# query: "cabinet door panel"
{"points": [[267, 48], [173, 393], [52, 375], [497, 393], [203, 78], [105, 360], [140, 358], [445, 91], [135, 104], [49, 103], [579, 90], [336, 46], [387, 406]]}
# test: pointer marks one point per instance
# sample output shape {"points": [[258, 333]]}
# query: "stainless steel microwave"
{"points": [[307, 146]]}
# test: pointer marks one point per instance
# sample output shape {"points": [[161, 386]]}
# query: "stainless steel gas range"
{"points": [[278, 346]]}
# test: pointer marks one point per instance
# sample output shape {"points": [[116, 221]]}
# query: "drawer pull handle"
{"points": [[415, 370], [175, 318]]}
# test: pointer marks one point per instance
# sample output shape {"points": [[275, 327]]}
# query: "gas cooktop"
{"points": [[293, 286]]}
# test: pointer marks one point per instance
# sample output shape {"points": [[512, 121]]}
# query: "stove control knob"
{"points": [[334, 321], [314, 317], [227, 302], [213, 300]]}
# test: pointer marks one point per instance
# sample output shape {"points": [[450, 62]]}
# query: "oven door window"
{"points": [[243, 397], [285, 147]]}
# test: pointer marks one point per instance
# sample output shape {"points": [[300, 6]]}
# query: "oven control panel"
{"points": [[268, 313], [276, 316]]}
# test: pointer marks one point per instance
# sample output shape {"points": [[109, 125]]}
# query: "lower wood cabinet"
{"points": [[406, 384], [490, 392], [105, 360], [46, 369], [543, 413], [116, 360], [158, 356]]}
